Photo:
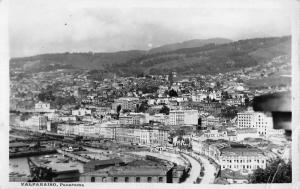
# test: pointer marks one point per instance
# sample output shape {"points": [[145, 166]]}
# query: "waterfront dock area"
{"points": [[72, 155]]}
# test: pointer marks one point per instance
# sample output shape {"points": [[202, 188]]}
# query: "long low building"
{"points": [[139, 134], [143, 171]]}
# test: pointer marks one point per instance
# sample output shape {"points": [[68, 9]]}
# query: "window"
{"points": [[137, 179], [126, 179], [149, 179], [92, 179], [160, 179], [115, 179]]}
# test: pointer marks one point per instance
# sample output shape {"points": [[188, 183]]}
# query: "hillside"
{"points": [[207, 59], [210, 58], [98, 61], [188, 44]]}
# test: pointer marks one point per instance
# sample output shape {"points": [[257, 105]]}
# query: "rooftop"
{"points": [[241, 151], [135, 168], [103, 162]]}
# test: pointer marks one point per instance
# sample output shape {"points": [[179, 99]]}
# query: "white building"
{"points": [[215, 95], [35, 123], [81, 112], [108, 129], [260, 121], [242, 158], [210, 121], [162, 118], [199, 97], [126, 103], [87, 130], [214, 135], [43, 107], [134, 118], [183, 117]]}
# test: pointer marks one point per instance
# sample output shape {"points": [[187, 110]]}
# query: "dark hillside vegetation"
{"points": [[207, 59]]}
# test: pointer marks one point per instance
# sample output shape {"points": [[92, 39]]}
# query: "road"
{"points": [[209, 176], [195, 170]]}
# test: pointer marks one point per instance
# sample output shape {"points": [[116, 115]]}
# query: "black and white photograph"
{"points": [[176, 92]]}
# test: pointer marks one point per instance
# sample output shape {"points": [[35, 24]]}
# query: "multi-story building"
{"points": [[183, 117], [234, 101], [103, 110], [211, 107], [214, 135], [242, 158], [81, 112], [141, 135], [216, 95], [35, 123], [87, 130], [161, 118], [126, 103], [125, 135], [43, 107], [108, 130], [210, 148], [67, 129], [210, 121], [134, 118], [258, 120], [162, 101], [244, 119], [70, 119]]}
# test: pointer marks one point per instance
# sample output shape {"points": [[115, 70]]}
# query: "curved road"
{"points": [[195, 170], [209, 171]]}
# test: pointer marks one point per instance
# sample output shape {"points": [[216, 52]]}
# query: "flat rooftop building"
{"points": [[136, 171]]}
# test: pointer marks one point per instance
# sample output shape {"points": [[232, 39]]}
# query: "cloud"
{"points": [[59, 26]]}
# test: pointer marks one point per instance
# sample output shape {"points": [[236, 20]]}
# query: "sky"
{"points": [[54, 26]]}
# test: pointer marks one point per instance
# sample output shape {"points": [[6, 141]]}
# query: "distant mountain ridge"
{"points": [[188, 44], [206, 59]]}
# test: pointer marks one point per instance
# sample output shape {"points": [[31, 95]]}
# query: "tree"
{"points": [[247, 101], [278, 171], [142, 107], [46, 96], [229, 112], [119, 107], [173, 93], [187, 141], [165, 110]]}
